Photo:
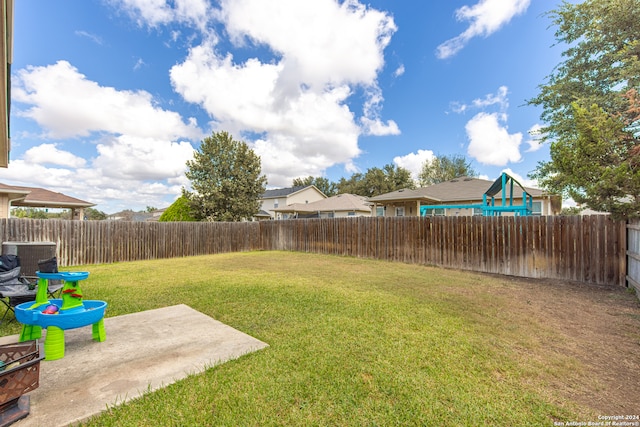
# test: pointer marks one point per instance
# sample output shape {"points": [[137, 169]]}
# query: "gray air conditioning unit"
{"points": [[29, 253]]}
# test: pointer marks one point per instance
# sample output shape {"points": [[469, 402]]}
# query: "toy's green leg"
{"points": [[98, 332], [30, 332], [41, 294], [54, 343]]}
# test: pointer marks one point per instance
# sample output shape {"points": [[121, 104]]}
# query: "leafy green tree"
{"points": [[94, 214], [323, 184], [32, 213], [396, 178], [226, 178], [590, 107], [377, 181], [573, 210], [444, 168], [179, 210]]}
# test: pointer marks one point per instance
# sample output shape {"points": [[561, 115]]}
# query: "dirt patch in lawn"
{"points": [[590, 344]]}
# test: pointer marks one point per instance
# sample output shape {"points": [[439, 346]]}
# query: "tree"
{"points": [[178, 211], [94, 214], [377, 181], [590, 107], [226, 178], [444, 168], [32, 213], [571, 211], [323, 184]]}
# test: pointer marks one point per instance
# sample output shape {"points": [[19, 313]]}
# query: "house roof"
{"points": [[40, 197], [284, 192], [455, 190], [340, 203], [281, 192]]}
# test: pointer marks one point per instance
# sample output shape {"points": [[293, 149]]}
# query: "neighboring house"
{"points": [[342, 205], [155, 215], [588, 211], [273, 199], [455, 196], [32, 197], [129, 215]]}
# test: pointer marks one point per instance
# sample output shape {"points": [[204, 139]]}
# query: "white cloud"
{"points": [[111, 193], [371, 122], [139, 64], [145, 12], [458, 107], [485, 17], [413, 161], [535, 138], [297, 100], [489, 139], [50, 154], [135, 156], [399, 71], [67, 104], [499, 98], [154, 13], [490, 142], [377, 128], [94, 38], [22, 172], [322, 41], [525, 182]]}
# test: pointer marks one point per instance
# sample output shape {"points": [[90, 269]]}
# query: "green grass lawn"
{"points": [[351, 342]]}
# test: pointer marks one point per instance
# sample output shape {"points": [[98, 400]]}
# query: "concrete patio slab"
{"points": [[143, 351]]}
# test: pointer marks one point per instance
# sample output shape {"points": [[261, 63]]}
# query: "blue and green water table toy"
{"points": [[58, 315]]}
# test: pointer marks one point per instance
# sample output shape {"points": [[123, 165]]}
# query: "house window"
{"points": [[536, 208], [477, 212], [435, 212], [400, 211], [330, 215], [275, 203], [379, 210], [351, 214]]}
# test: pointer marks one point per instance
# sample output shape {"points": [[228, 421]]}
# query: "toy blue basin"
{"points": [[91, 312], [69, 276]]}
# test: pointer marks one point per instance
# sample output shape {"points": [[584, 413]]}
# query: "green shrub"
{"points": [[178, 211]]}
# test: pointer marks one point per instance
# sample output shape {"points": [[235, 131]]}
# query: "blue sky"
{"points": [[111, 97]]}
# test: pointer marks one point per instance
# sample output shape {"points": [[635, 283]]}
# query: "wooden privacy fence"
{"points": [[633, 254], [103, 242], [588, 249]]}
